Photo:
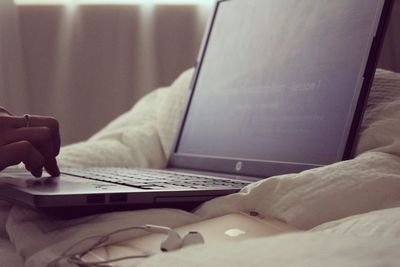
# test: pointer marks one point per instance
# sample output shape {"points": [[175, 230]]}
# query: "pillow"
{"points": [[381, 223], [380, 129]]}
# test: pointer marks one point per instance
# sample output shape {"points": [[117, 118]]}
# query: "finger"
{"points": [[38, 136], [13, 154], [51, 167], [41, 138], [53, 125], [35, 172], [35, 121], [3, 111], [12, 121]]}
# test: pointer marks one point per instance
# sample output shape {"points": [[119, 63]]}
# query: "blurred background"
{"points": [[87, 61]]}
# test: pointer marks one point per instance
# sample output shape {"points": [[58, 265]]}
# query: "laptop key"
{"points": [[155, 179]]}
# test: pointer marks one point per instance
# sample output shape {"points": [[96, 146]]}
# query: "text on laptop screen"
{"points": [[277, 83]]}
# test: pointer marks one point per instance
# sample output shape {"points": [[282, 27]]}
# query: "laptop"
{"points": [[279, 87]]}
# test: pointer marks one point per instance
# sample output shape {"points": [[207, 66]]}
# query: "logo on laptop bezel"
{"points": [[239, 166]]}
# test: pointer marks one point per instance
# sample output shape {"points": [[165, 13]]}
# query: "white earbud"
{"points": [[173, 240], [192, 238]]}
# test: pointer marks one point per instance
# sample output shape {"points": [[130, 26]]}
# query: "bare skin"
{"points": [[37, 146]]}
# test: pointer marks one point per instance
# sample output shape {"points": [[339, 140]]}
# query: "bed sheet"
{"points": [[313, 200], [369, 239], [8, 253], [297, 250]]}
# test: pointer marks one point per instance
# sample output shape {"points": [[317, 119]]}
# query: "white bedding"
{"points": [[349, 208], [297, 250]]}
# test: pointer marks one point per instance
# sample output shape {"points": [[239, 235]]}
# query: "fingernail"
{"points": [[56, 172], [52, 168], [37, 172]]}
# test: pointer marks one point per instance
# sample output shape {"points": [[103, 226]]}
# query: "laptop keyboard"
{"points": [[150, 179]]}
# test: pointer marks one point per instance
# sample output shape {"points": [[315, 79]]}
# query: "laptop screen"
{"points": [[279, 81]]}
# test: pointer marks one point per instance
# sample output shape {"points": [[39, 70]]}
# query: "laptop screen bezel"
{"points": [[260, 168]]}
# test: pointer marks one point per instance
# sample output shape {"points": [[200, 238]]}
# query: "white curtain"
{"points": [[12, 84], [86, 64]]}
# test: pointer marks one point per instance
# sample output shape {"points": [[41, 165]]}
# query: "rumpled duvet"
{"points": [[350, 211]]}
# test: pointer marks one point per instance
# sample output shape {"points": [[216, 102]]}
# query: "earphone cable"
{"points": [[78, 261], [103, 239]]}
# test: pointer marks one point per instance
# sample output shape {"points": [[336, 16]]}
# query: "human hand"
{"points": [[35, 141]]}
